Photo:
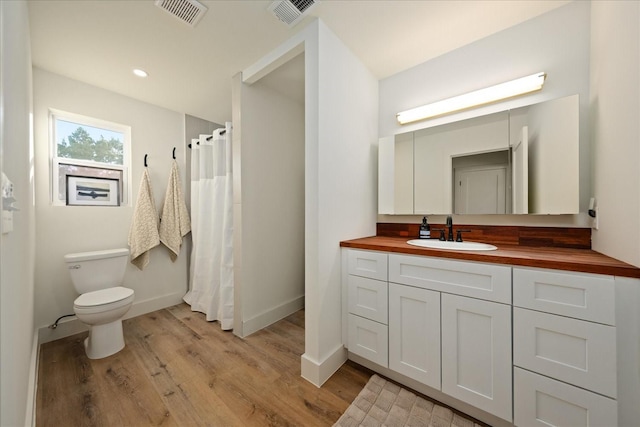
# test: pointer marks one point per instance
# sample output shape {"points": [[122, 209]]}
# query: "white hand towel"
{"points": [[174, 222], [143, 234]]}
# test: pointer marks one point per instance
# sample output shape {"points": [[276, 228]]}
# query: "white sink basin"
{"points": [[458, 246]]}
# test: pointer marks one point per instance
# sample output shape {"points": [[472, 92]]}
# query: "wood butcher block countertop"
{"points": [[571, 259]]}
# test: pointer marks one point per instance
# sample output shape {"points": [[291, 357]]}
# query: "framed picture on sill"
{"points": [[85, 191]]}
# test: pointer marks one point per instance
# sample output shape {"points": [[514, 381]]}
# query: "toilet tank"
{"points": [[92, 271]]}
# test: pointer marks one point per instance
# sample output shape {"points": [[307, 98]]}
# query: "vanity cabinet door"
{"points": [[578, 352], [476, 353], [579, 295], [414, 333], [542, 401], [372, 265], [486, 281], [368, 298], [369, 339]]}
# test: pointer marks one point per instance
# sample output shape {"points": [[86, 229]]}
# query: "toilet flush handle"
{"points": [[74, 267]]}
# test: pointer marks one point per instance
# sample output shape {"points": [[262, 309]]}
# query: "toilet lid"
{"points": [[103, 296]]}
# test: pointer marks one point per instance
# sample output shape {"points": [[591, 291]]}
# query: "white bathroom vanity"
{"points": [[508, 344]]}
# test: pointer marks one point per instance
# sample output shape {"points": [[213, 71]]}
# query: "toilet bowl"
{"points": [[97, 276], [102, 311]]}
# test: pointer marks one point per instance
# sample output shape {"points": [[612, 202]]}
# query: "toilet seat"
{"points": [[114, 297]]}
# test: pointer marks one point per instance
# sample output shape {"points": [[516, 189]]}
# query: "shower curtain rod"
{"points": [[222, 132]]}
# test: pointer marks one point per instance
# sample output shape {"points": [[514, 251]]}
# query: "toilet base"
{"points": [[104, 340]]}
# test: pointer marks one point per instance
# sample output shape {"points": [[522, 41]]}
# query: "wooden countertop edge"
{"points": [[579, 260]]}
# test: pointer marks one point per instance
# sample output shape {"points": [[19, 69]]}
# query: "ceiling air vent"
{"points": [[187, 11], [291, 11]]}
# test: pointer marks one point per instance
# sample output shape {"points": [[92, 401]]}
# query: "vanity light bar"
{"points": [[473, 99]]}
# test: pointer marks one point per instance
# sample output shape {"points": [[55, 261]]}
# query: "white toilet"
{"points": [[97, 276]]}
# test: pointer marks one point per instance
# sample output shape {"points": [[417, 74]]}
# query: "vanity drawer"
{"points": [[477, 280], [578, 352], [541, 401], [369, 339], [368, 264], [368, 298], [580, 295]]}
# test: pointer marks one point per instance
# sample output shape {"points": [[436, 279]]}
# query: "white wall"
{"points": [[66, 229], [615, 112], [341, 191], [341, 104], [268, 148], [17, 349], [556, 42]]}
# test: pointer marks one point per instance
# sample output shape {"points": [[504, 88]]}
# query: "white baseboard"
{"points": [[272, 316], [319, 372], [67, 327], [73, 326], [30, 416], [147, 306]]}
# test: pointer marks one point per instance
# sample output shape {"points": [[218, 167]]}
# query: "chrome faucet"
{"points": [[450, 227]]}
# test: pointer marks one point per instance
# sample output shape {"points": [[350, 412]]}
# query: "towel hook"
{"points": [[145, 160], [174, 153]]}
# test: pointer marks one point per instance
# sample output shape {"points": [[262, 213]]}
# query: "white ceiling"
{"points": [[190, 69]]}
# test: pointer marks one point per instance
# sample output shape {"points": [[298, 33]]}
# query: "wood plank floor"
{"points": [[179, 370]]}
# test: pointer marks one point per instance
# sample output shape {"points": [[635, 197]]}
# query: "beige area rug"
{"points": [[383, 403]]}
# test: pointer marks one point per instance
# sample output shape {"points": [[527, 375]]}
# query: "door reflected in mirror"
{"points": [[480, 183]]}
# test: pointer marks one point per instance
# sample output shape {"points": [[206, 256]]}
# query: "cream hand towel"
{"points": [[143, 234], [174, 222]]}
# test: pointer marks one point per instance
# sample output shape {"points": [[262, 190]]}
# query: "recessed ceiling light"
{"points": [[140, 73]]}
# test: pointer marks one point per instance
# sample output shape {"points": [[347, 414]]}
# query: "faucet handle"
{"points": [[459, 234], [442, 236]]}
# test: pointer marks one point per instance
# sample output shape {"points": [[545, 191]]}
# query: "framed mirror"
{"points": [[521, 161]]}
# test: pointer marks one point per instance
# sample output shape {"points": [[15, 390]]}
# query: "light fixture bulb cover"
{"points": [[140, 73], [476, 98]]}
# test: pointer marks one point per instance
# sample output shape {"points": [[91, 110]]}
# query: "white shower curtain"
{"points": [[211, 279]]}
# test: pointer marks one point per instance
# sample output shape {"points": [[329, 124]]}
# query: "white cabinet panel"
{"points": [[369, 339], [368, 298], [578, 352], [476, 353], [541, 401], [477, 280], [414, 333], [580, 295], [368, 264]]}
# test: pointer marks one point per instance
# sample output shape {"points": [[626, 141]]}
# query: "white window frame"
{"points": [[55, 161]]}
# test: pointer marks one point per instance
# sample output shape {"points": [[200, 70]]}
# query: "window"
{"points": [[93, 153]]}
